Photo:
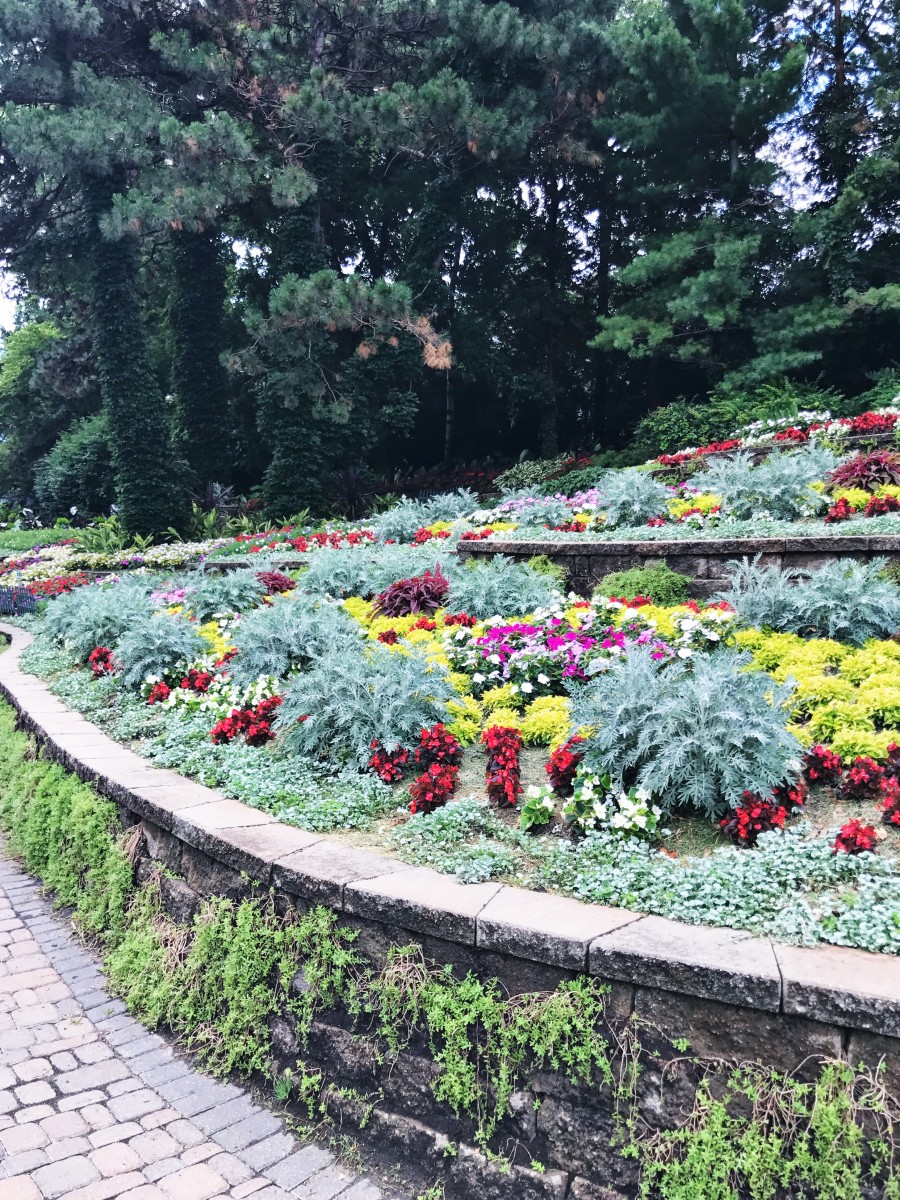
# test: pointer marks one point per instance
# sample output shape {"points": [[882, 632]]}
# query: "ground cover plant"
{"points": [[474, 717]]}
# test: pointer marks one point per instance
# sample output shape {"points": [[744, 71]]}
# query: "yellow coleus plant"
{"points": [[507, 717], [210, 632], [501, 697], [855, 497], [467, 719], [546, 721], [361, 610]]}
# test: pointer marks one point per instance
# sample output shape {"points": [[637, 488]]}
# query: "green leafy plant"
{"points": [[291, 632], [97, 616], [631, 497], [779, 486], [234, 591]]}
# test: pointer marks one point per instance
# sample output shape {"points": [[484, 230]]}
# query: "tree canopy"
{"points": [[274, 241]]}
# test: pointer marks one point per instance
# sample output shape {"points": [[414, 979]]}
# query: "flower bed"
{"points": [[654, 757]]}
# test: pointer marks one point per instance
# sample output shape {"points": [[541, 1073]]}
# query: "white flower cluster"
{"points": [[594, 806]]}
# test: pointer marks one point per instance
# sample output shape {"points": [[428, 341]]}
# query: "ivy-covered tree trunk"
{"points": [[148, 497], [199, 379]]}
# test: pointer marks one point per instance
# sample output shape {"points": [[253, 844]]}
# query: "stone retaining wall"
{"points": [[732, 996], [703, 560]]}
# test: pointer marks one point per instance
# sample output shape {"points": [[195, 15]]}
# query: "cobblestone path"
{"points": [[93, 1106]]}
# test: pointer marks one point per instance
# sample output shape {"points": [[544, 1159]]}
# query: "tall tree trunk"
{"points": [[147, 489], [199, 380]]}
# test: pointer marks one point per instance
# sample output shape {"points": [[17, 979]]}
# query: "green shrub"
{"points": [[663, 585], [500, 587], [97, 616], [545, 566], [276, 638], [78, 471]]}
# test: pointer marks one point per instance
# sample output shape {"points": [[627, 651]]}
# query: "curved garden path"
{"points": [[93, 1106]]}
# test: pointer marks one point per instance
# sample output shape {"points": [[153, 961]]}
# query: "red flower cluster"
{"points": [[460, 619], [753, 816], [389, 637], [388, 765], [502, 746], [570, 527], [792, 434], [880, 506], [438, 745], [632, 602], [890, 803], [563, 764], [855, 837], [254, 724], [335, 539], [862, 781], [821, 765], [870, 422], [275, 582], [47, 588], [433, 788], [697, 512], [439, 754], [471, 536], [683, 456], [101, 661], [423, 535], [790, 795], [843, 510], [159, 692], [196, 681], [226, 658]]}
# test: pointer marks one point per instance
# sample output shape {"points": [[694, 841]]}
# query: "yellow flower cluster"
{"points": [[706, 502], [211, 632], [846, 698]]}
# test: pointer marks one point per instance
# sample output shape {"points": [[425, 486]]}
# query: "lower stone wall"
{"points": [[389, 1105], [703, 561]]}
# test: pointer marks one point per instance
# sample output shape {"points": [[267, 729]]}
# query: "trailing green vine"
{"points": [[752, 1134]]}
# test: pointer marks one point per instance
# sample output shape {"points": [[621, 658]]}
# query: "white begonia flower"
{"points": [[527, 687], [477, 678], [685, 652], [542, 678]]}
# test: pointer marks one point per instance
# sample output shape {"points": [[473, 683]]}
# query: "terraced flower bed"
{"points": [[731, 763]]}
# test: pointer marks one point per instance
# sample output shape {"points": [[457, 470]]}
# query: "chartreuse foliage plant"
{"points": [[218, 983], [661, 584]]}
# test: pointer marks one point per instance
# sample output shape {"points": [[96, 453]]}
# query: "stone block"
{"points": [[201, 825], [180, 901], [725, 1031], [253, 849], [717, 964], [546, 928], [160, 802], [208, 877], [472, 1176], [847, 987], [421, 900], [875, 1051], [320, 873]]}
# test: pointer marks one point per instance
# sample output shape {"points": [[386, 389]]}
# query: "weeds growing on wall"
{"points": [[752, 1133]]}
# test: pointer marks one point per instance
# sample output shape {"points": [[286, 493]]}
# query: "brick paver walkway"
{"points": [[93, 1106]]}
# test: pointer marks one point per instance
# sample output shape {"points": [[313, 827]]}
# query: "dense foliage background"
{"points": [[305, 248]]}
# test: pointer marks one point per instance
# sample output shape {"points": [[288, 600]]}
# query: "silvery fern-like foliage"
{"points": [[631, 497], [97, 616], [276, 638], [366, 570], [338, 707], [234, 591], [780, 485], [401, 522], [156, 645], [450, 506], [696, 737], [847, 600], [500, 587], [533, 511]]}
